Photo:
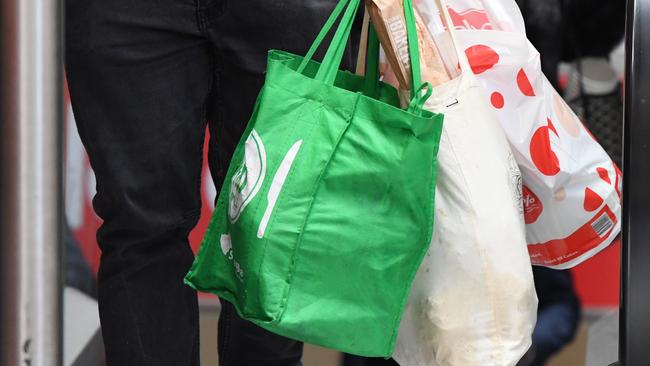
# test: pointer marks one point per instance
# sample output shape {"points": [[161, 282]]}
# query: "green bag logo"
{"points": [[248, 178], [226, 248], [247, 181]]}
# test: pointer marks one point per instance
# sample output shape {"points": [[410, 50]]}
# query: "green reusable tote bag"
{"points": [[327, 208]]}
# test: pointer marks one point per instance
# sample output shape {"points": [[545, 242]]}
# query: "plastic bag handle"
{"points": [[460, 54]]}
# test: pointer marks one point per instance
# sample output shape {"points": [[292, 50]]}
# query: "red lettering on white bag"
{"points": [[532, 206], [398, 33], [470, 19], [587, 237]]}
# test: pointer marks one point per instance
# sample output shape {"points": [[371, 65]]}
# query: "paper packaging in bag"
{"points": [[572, 189], [388, 18]]}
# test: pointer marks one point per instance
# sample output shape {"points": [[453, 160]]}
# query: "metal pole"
{"points": [[634, 345], [31, 131]]}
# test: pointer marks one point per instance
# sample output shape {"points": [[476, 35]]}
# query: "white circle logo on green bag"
{"points": [[248, 178]]}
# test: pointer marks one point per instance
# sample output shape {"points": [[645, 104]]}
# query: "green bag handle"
{"points": [[414, 52], [371, 87], [336, 12], [334, 55]]}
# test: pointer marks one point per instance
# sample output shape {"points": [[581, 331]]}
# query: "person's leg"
{"points": [[242, 343], [352, 360], [139, 73], [77, 273], [243, 32]]}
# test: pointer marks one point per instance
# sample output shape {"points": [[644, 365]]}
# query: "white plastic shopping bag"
{"points": [[572, 189], [473, 301]]}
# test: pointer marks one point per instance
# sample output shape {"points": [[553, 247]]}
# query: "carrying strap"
{"points": [[368, 57], [371, 87], [460, 53], [331, 63], [334, 55], [336, 12], [414, 52]]}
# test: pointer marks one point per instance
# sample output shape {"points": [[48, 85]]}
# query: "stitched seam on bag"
{"points": [[281, 199], [311, 204], [257, 206], [274, 216], [285, 298], [340, 110], [209, 237], [429, 235], [389, 105], [423, 252]]}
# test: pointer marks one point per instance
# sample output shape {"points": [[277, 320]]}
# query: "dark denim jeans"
{"points": [[145, 78]]}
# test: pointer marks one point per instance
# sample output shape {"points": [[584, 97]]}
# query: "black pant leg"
{"points": [[139, 73]]}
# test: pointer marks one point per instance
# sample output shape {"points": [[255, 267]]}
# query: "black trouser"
{"points": [[145, 78]]}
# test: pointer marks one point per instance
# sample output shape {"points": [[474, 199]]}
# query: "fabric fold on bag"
{"points": [[327, 207]]}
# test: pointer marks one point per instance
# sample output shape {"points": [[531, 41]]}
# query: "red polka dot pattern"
{"points": [[545, 160], [604, 175], [481, 58], [497, 100], [592, 200], [524, 84]]}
